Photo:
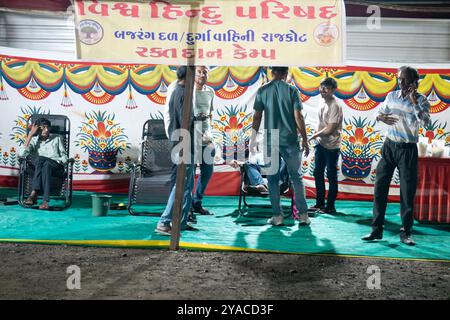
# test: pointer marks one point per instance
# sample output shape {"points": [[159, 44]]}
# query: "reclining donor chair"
{"points": [[247, 191], [61, 184], [150, 177]]}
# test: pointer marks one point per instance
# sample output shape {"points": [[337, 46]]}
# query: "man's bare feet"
{"points": [[31, 199], [44, 205]]}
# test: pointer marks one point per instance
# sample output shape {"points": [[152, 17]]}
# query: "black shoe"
{"points": [[316, 207], [200, 210], [406, 239], [373, 236], [328, 210], [191, 217], [284, 187]]}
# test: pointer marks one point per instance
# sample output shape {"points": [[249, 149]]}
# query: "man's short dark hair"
{"points": [[329, 83], [280, 70], [43, 122], [181, 72], [413, 74]]}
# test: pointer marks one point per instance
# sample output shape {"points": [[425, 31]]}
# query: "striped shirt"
{"points": [[410, 117]]}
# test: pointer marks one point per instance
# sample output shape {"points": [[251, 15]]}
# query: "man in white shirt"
{"points": [[403, 111], [202, 108], [328, 136]]}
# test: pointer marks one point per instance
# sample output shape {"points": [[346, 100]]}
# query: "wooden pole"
{"points": [[187, 111], [181, 169]]}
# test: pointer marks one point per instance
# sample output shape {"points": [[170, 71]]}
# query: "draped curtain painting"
{"points": [[109, 103]]}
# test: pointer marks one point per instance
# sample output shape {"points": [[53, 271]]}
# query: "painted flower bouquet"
{"points": [[232, 129], [361, 144], [102, 137]]}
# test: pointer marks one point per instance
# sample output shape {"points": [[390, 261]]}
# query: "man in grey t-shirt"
{"points": [[281, 105]]}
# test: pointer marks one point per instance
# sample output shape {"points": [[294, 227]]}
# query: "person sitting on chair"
{"points": [[48, 156], [258, 183], [253, 167]]}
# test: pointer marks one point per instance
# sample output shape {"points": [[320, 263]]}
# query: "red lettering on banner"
{"points": [[153, 10], [241, 53], [264, 53], [172, 12], [278, 5], [211, 16], [327, 12], [251, 12], [201, 53], [171, 9], [274, 8], [192, 13], [301, 13], [160, 52], [141, 51], [80, 5], [188, 53], [93, 8], [214, 54], [125, 11]]}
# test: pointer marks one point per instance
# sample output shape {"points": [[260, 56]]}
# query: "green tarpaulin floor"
{"points": [[337, 234]]}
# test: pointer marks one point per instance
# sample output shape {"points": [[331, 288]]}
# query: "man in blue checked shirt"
{"points": [[403, 111]]}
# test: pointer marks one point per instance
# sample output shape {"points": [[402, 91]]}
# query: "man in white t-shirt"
{"points": [[204, 154], [202, 110], [328, 136]]}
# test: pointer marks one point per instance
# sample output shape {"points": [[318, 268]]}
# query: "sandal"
{"points": [[44, 206], [30, 201]]}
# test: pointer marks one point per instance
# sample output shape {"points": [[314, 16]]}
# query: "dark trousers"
{"points": [[404, 157], [329, 159], [44, 169]]}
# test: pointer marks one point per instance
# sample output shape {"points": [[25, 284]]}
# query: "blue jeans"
{"points": [[329, 159], [254, 173], [206, 171], [292, 157], [166, 217]]}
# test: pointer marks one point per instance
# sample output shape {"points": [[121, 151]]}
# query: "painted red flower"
{"points": [[101, 133], [359, 138], [430, 135], [234, 125]]}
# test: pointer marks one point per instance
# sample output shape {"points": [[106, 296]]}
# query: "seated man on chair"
{"points": [[253, 172], [48, 156], [256, 180]]}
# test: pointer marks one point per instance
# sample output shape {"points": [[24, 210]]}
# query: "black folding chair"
{"points": [[246, 191], [150, 179], [61, 185]]}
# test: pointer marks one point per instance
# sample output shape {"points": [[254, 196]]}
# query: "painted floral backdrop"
{"points": [[108, 105]]}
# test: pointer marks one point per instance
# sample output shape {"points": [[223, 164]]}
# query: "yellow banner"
{"points": [[213, 32]]}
